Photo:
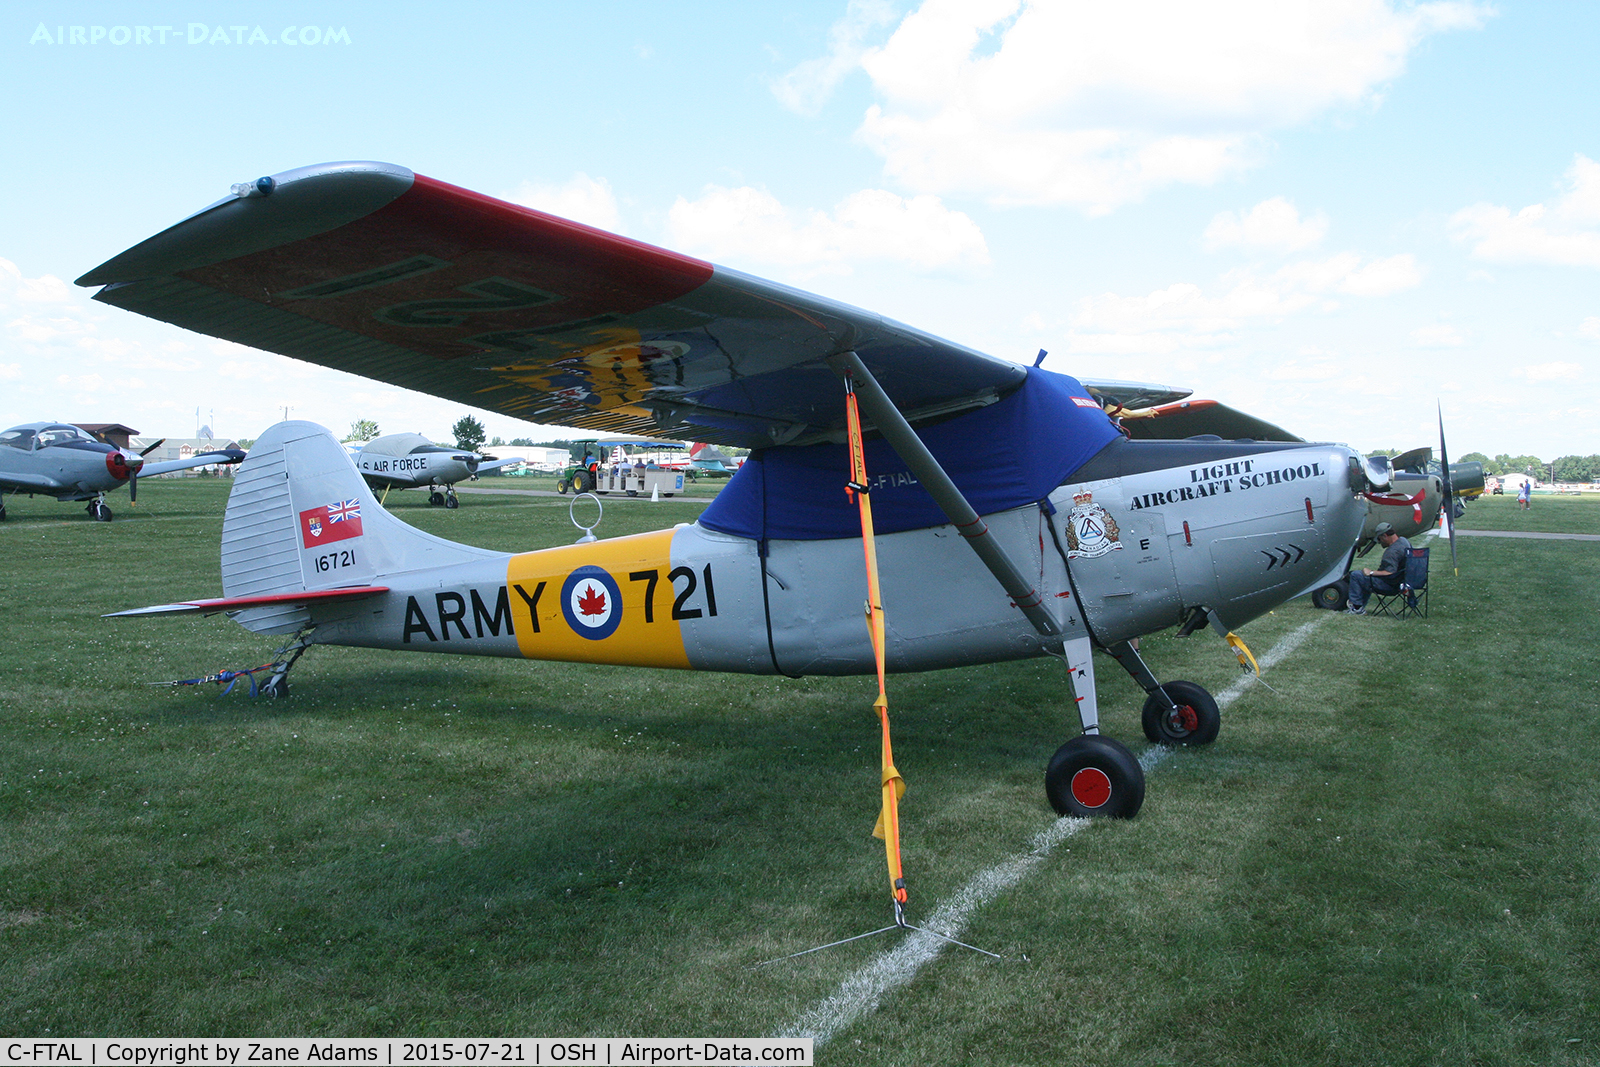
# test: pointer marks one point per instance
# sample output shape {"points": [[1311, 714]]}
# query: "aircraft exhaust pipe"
{"points": [[1370, 474]]}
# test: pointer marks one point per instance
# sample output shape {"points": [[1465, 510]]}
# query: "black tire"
{"points": [[435, 499], [561, 486], [101, 513], [451, 502], [1197, 720], [582, 482], [275, 688], [1333, 596], [1094, 776]]}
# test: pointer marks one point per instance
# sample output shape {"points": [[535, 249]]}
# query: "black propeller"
{"points": [[1448, 505]]}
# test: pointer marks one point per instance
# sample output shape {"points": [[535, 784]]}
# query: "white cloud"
{"points": [[1440, 336], [1097, 104], [807, 87], [1183, 316], [1273, 224], [1590, 328], [1549, 372], [10, 372], [581, 199], [747, 225], [1565, 233]]}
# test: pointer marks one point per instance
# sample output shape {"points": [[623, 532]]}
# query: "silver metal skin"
{"points": [[411, 461], [1249, 547]]}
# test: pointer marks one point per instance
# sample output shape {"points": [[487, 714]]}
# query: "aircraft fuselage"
{"points": [[1236, 527]]}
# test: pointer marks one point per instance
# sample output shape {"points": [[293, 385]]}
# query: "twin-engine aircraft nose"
{"points": [[470, 461]]}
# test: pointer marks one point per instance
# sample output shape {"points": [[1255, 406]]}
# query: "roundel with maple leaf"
{"points": [[592, 603]]}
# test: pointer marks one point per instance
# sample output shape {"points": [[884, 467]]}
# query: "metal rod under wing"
{"points": [[904, 440]]}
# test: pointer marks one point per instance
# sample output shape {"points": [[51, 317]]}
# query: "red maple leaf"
{"points": [[592, 602]]}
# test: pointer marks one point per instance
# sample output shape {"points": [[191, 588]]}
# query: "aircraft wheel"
{"points": [[275, 687], [1093, 775], [100, 512], [451, 502], [1196, 721], [633, 492], [1333, 596], [435, 499]]}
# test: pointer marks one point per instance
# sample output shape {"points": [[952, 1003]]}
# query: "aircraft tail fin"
{"points": [[300, 517]]}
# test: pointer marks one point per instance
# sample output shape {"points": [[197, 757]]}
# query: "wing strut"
{"points": [[904, 440]]}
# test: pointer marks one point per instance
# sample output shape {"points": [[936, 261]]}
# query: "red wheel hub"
{"points": [[1186, 718], [1091, 787]]}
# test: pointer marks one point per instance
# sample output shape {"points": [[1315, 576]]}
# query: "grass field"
{"points": [[1390, 857]]}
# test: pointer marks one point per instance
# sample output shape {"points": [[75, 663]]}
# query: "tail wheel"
{"points": [[1195, 721], [1094, 776]]}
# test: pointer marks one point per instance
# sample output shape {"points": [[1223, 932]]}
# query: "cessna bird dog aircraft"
{"points": [[410, 460], [65, 462], [1059, 537]]}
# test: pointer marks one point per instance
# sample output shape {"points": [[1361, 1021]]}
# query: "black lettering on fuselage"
{"points": [[416, 622], [455, 615], [532, 602], [502, 611]]}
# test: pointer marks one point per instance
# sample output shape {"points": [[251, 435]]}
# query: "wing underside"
{"points": [[372, 269]]}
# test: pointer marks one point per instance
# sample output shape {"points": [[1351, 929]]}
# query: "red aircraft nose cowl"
{"points": [[121, 464]]}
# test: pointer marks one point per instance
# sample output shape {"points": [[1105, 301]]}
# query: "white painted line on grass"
{"points": [[860, 994]]}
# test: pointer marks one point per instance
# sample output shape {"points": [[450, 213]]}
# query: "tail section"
{"points": [[300, 517]]}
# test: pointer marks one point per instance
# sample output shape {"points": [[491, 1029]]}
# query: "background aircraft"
{"points": [[411, 461], [60, 460], [1062, 538]]}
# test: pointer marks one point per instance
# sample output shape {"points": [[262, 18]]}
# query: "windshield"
{"points": [[61, 435]]}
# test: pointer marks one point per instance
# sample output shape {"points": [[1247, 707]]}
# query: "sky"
{"points": [[1334, 215]]}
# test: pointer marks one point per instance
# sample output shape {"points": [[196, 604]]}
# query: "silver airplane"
{"points": [[1009, 516], [60, 460], [411, 461]]}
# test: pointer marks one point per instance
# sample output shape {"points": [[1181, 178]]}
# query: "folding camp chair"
{"points": [[1412, 599]]}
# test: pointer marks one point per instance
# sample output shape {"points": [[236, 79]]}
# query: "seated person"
{"points": [[1386, 578]]}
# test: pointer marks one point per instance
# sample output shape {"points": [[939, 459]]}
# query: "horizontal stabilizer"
{"points": [[238, 603]]}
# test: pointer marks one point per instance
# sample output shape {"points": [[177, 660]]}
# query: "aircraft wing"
{"points": [[200, 459], [373, 269], [496, 464], [379, 480], [239, 603], [24, 482], [1190, 418]]}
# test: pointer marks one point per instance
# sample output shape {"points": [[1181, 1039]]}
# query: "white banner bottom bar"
{"points": [[401, 1052]]}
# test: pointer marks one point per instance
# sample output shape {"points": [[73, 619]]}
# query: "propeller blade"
{"points": [[1449, 502], [152, 448], [133, 486]]}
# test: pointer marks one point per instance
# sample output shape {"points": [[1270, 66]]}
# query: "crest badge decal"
{"points": [[1091, 531]]}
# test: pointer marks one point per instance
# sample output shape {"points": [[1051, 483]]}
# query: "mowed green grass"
{"points": [[1391, 857]]}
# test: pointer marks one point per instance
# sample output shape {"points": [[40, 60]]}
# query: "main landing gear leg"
{"points": [[1177, 713], [450, 500], [1091, 774]]}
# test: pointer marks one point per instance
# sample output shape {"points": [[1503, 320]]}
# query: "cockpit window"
{"points": [[22, 439], [60, 435]]}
